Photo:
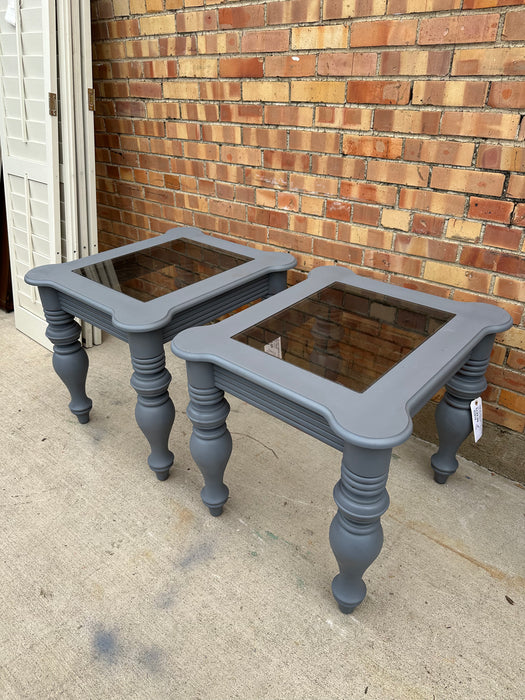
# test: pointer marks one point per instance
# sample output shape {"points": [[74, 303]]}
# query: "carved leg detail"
{"points": [[154, 411], [356, 535], [453, 417], [210, 442], [70, 360]]}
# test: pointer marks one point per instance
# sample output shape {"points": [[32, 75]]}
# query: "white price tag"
{"points": [[274, 348], [476, 409]]}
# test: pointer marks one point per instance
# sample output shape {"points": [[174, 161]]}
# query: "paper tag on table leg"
{"points": [[476, 408], [274, 348]]}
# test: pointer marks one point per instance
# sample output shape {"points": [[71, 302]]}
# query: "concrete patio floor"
{"points": [[115, 585]]}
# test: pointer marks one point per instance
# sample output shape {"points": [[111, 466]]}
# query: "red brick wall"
{"points": [[367, 133]]}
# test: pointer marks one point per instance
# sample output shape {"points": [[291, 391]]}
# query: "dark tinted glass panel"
{"points": [[346, 334], [162, 269]]}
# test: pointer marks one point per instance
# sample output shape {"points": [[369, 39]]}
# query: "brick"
{"points": [[504, 417], [194, 21], [466, 230], [514, 27], [177, 45], [490, 209], [518, 216], [400, 173], [408, 121], [516, 359], [494, 157], [425, 247], [478, 257], [287, 201], [444, 152], [366, 214], [220, 91], [392, 263], [201, 151], [388, 92], [336, 166], [450, 93], [250, 232], [123, 28], [286, 160], [293, 12], [267, 41], [266, 91], [313, 185], [227, 173], [514, 338], [372, 146], [338, 252], [241, 67], [285, 114], [361, 63], [290, 241], [396, 219], [230, 210], [344, 117], [331, 36], [241, 155], [266, 178], [502, 237], [312, 205], [247, 114], [187, 167], [226, 42], [489, 61], [199, 112], [395, 32], [290, 66], [516, 186], [507, 95], [461, 29], [367, 192], [427, 225], [267, 217], [485, 125], [435, 202], [157, 25], [506, 378], [472, 181], [159, 68], [365, 236], [512, 400], [343, 9], [313, 227], [221, 133], [241, 17], [264, 138], [408, 6], [315, 91], [314, 141], [455, 276], [415, 62], [183, 130], [198, 67]]}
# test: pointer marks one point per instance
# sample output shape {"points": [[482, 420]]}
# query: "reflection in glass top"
{"points": [[346, 334], [161, 269]]}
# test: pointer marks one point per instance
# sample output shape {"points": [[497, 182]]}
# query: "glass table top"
{"points": [[161, 269], [346, 334]]}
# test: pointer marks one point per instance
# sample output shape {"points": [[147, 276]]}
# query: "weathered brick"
{"points": [[264, 138], [365, 236], [516, 187], [514, 27], [247, 114], [241, 67], [408, 121], [314, 141], [362, 63], [313, 185], [485, 125], [267, 217], [461, 29], [344, 117], [501, 157], [388, 92], [393, 32], [290, 66], [220, 90], [488, 61], [287, 201], [266, 41], [512, 400], [518, 216], [198, 67], [199, 112], [434, 202], [368, 192], [192, 22], [312, 226], [163, 110], [466, 230], [366, 214], [266, 178], [451, 93], [426, 247], [265, 91], [507, 95], [455, 276], [338, 252], [444, 152], [239, 17], [396, 219], [230, 210], [329, 36], [490, 209], [516, 359], [227, 173], [312, 205], [403, 62], [241, 155], [183, 130], [221, 133], [400, 173], [502, 237], [286, 160], [315, 91], [372, 146], [393, 263], [287, 114], [472, 181], [157, 25], [293, 11], [225, 42], [159, 68], [201, 151], [177, 45], [290, 240], [343, 9], [336, 166]]}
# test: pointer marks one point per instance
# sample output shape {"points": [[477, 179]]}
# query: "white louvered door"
{"points": [[29, 141]]}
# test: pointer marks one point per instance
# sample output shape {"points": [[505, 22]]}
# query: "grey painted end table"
{"points": [[145, 293], [349, 361]]}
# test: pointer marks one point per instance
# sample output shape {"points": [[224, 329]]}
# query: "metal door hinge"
{"points": [[91, 99], [52, 104]]}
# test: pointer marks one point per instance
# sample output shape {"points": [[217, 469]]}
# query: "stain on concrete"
{"points": [[105, 646], [152, 658], [197, 554]]}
